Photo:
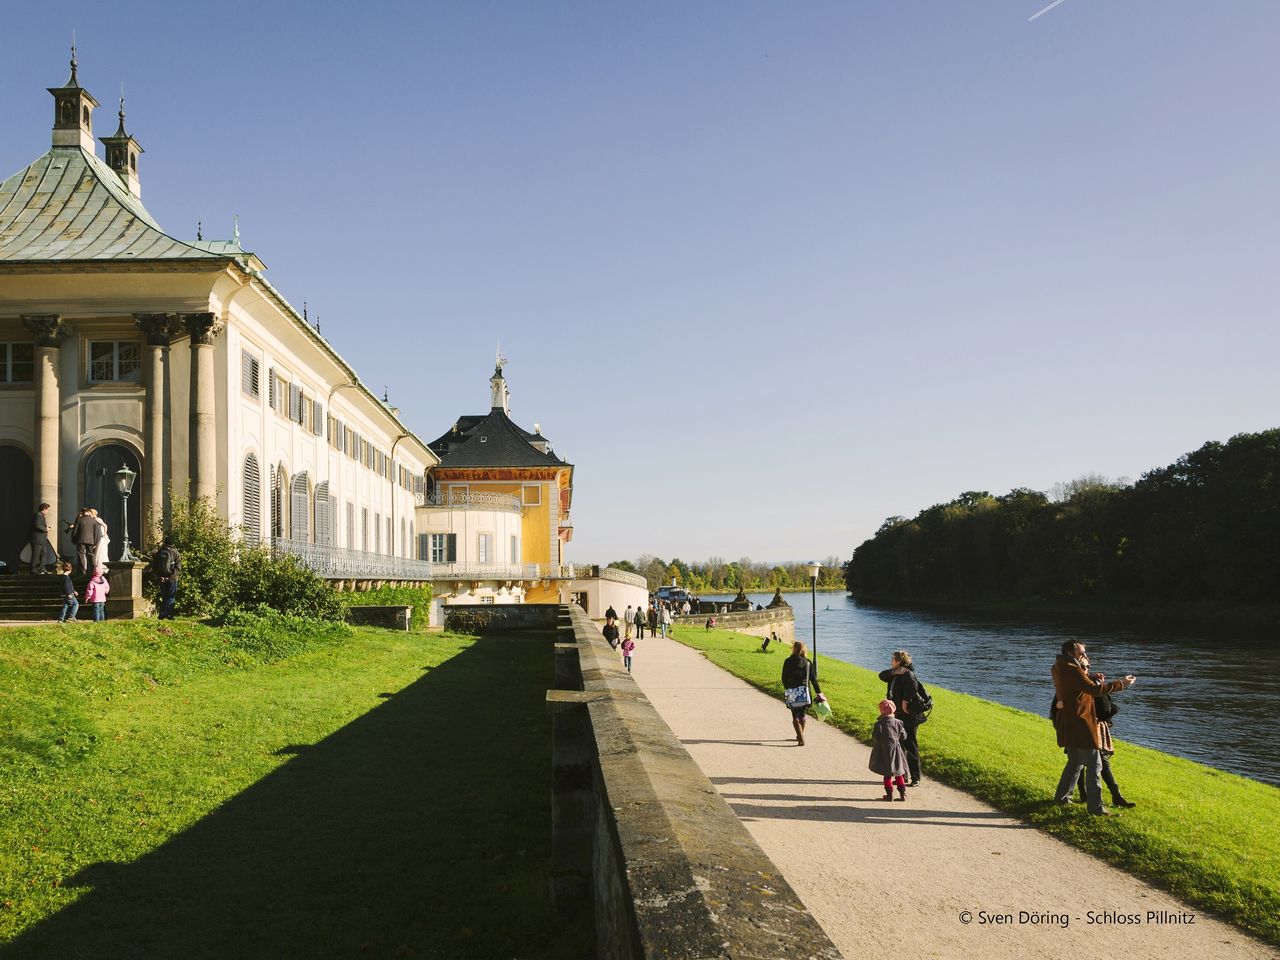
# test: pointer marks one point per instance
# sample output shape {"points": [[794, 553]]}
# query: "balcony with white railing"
{"points": [[337, 563], [471, 500]]}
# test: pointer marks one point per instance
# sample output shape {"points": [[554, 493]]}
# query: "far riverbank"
{"points": [[1261, 622]]}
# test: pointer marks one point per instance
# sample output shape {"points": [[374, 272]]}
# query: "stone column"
{"points": [[204, 329], [49, 331], [160, 329]]}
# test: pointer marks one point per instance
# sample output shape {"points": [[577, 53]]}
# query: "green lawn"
{"points": [[1211, 837], [169, 790]]}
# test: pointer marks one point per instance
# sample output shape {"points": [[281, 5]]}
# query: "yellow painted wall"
{"points": [[544, 593]]}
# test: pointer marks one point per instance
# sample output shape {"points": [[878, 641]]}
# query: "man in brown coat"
{"points": [[1077, 723]]}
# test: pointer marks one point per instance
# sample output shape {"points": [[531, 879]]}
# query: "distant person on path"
{"points": [[888, 758], [903, 689], [610, 632], [653, 621], [42, 552], [639, 623], [628, 651], [70, 603], [628, 621], [84, 534], [798, 673], [1077, 723], [96, 594], [664, 619], [166, 564]]}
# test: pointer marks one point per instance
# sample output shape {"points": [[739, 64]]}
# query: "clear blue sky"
{"points": [[767, 273]]}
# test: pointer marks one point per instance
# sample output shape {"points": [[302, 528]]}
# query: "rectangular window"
{"points": [[364, 529], [484, 548], [17, 362], [115, 360], [438, 544], [391, 537], [531, 494], [249, 374], [351, 526], [377, 533], [515, 549]]}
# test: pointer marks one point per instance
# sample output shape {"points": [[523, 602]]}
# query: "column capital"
{"points": [[160, 328], [49, 329], [203, 327]]}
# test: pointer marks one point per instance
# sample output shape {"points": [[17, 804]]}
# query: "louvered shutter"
{"points": [[451, 548], [317, 418], [299, 509], [252, 500]]}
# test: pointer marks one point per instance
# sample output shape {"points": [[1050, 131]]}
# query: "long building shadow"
{"points": [[421, 829]]}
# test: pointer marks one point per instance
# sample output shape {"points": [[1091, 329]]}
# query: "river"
{"points": [[1212, 701]]}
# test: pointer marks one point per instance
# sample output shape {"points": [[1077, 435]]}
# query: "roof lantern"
{"points": [[122, 154], [500, 396], [73, 112]]}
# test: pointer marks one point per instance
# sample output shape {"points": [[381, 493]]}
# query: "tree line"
{"points": [[1205, 528], [716, 575]]}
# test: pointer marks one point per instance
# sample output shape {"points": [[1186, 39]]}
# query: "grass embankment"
{"points": [[1210, 837], [176, 790]]}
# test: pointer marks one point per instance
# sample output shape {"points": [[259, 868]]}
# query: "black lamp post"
{"points": [[812, 568], [124, 485]]}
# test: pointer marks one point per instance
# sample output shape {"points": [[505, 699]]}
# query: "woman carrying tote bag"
{"points": [[798, 673]]}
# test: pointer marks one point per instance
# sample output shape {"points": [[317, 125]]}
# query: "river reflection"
{"points": [[1212, 701]]}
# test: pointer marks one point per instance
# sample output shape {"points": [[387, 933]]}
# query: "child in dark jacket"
{"points": [[70, 603], [887, 756]]}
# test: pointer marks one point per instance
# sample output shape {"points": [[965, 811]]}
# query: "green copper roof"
{"points": [[69, 205]]}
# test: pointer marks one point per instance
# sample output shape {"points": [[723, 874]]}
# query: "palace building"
{"points": [[121, 345]]}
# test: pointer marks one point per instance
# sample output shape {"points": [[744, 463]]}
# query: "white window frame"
{"points": [[439, 547], [531, 501], [115, 361], [484, 548]]}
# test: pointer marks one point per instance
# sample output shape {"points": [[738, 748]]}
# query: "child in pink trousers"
{"points": [[628, 649]]}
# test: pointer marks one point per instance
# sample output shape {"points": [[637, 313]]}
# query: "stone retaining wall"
{"points": [[756, 623], [390, 617], [499, 618], [641, 833]]}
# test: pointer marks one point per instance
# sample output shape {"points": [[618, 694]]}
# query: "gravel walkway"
{"points": [[816, 812]]}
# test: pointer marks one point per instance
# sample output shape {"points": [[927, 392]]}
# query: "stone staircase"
{"points": [[24, 597]]}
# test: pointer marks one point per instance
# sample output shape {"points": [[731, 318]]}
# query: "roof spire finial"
{"points": [[121, 104], [236, 234], [500, 361], [72, 82], [386, 397], [304, 311], [199, 229]]}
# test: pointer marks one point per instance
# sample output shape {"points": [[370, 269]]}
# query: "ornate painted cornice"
{"points": [[203, 327], [160, 328], [49, 329]]}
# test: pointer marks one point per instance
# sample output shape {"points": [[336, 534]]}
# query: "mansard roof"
{"points": [[493, 440], [69, 205]]}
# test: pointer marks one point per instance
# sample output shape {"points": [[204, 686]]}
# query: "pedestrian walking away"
{"points": [[1077, 723], [70, 601], [96, 593], [102, 542], [639, 623], [610, 632], [904, 690], [628, 621], [798, 674], [664, 619], [628, 651], [888, 758], [42, 552], [611, 614]]}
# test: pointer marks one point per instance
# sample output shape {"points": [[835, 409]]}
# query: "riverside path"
{"points": [[816, 812]]}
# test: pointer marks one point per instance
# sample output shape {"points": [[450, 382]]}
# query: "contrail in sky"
{"points": [[1041, 13]]}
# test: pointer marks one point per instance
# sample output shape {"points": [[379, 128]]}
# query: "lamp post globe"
{"points": [[124, 485], [812, 568]]}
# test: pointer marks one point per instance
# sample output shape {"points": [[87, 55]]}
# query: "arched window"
{"points": [[300, 508], [252, 500], [279, 510], [324, 516]]}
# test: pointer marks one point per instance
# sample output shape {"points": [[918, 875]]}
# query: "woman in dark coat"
{"points": [[903, 688], [798, 672], [887, 756]]}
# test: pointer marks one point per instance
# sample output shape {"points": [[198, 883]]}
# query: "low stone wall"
{"points": [[500, 618], [640, 832], [756, 623], [390, 617]]}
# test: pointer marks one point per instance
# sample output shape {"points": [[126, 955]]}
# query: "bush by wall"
{"points": [[418, 597]]}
